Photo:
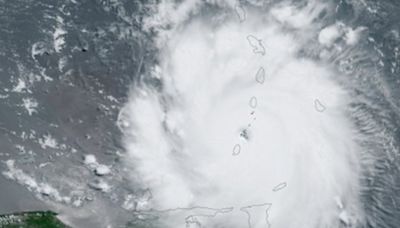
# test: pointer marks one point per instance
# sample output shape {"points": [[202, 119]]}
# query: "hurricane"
{"points": [[242, 98], [200, 113]]}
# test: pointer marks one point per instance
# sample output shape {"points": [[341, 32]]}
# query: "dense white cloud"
{"points": [[181, 138]]}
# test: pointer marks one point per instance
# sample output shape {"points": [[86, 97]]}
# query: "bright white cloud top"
{"points": [[238, 113]]}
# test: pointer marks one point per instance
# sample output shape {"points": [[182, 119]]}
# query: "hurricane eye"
{"points": [[244, 134]]}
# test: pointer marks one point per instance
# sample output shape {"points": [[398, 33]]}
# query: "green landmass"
{"points": [[48, 219], [35, 219]]}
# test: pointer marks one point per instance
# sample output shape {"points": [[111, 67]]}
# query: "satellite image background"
{"points": [[92, 91]]}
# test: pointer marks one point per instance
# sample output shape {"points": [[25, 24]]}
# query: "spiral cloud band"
{"points": [[242, 129]]}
